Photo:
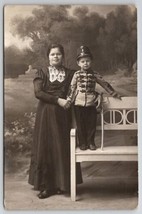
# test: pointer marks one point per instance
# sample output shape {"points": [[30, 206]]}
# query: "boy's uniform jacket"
{"points": [[83, 88]]}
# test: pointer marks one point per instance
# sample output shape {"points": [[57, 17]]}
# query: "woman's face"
{"points": [[55, 57]]}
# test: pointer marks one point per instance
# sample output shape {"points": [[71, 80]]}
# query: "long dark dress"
{"points": [[50, 157]]}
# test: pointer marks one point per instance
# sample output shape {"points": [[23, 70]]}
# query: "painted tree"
{"points": [[112, 39], [118, 40], [16, 61]]}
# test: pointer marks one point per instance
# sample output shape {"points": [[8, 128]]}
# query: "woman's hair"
{"points": [[60, 47]]}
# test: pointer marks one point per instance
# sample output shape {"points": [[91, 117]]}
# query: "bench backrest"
{"points": [[120, 114]]}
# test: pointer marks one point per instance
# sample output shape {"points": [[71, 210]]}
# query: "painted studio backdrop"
{"points": [[110, 31]]}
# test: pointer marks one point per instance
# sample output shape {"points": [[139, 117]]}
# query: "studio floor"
{"points": [[100, 193]]}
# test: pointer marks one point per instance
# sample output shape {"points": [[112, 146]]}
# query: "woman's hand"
{"points": [[63, 103]]}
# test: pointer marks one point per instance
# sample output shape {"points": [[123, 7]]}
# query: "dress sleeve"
{"points": [[39, 74], [72, 88], [105, 84], [38, 89]]}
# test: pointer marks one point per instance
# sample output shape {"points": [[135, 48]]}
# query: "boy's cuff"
{"points": [[69, 100], [114, 94]]}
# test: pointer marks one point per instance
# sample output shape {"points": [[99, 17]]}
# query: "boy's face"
{"points": [[84, 63]]}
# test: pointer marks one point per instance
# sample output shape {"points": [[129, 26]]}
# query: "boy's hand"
{"points": [[117, 96], [68, 104]]}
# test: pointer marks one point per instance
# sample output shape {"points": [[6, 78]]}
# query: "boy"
{"points": [[83, 94]]}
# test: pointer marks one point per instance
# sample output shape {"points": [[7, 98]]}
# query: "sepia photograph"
{"points": [[70, 107]]}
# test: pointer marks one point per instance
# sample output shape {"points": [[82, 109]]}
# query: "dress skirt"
{"points": [[50, 155]]}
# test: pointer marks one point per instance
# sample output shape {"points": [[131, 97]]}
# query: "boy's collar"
{"points": [[87, 71]]}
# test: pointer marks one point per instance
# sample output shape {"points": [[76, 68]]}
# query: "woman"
{"points": [[50, 160]]}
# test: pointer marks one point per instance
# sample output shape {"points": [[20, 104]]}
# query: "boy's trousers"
{"points": [[86, 118]]}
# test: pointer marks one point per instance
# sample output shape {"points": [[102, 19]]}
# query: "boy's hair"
{"points": [[83, 51]]}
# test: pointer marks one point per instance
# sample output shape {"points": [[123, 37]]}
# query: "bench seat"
{"points": [[110, 153]]}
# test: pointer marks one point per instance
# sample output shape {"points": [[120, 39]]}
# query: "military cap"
{"points": [[83, 51]]}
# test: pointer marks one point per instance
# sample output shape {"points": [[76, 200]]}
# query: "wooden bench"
{"points": [[115, 115]]}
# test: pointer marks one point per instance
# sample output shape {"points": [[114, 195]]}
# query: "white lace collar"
{"points": [[56, 74]]}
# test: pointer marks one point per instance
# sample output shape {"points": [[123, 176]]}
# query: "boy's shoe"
{"points": [[83, 147], [92, 147]]}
